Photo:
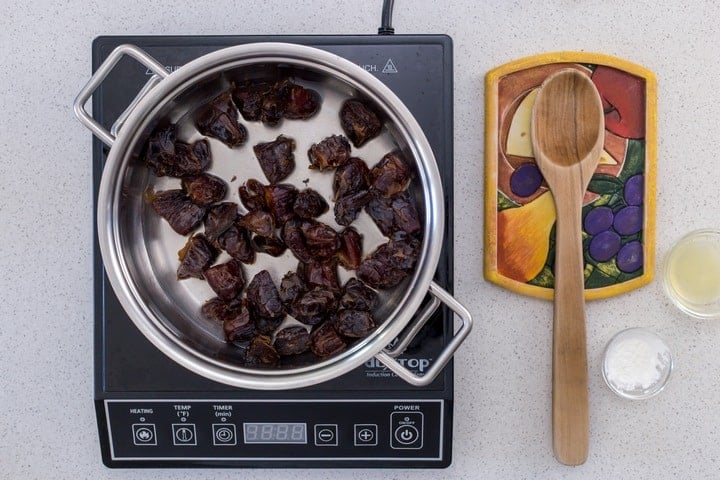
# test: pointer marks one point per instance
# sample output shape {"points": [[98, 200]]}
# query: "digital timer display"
{"points": [[275, 432]]}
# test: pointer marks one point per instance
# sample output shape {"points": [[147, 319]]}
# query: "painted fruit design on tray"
{"points": [[614, 210]]}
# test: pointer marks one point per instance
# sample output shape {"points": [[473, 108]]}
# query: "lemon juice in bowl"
{"points": [[692, 274]]}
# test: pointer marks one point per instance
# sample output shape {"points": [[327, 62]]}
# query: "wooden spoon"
{"points": [[567, 137]]}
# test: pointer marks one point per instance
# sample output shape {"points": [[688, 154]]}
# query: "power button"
{"points": [[406, 430]]}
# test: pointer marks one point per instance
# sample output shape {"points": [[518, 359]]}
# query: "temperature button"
{"points": [[407, 430], [184, 434]]}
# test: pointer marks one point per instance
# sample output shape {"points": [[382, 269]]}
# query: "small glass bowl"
{"points": [[691, 274], [637, 364]]}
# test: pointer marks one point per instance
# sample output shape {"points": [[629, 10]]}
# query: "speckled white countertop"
{"points": [[502, 402]]}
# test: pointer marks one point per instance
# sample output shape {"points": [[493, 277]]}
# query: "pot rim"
{"points": [[111, 248]]}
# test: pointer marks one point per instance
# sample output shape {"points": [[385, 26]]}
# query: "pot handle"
{"points": [[413, 328], [98, 77], [448, 351]]}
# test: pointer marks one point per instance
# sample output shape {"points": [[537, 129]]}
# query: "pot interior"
{"points": [[149, 247]]}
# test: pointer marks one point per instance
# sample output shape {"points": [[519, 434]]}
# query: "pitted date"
{"points": [[314, 306], [354, 323], [325, 341], [358, 296], [219, 219], [261, 352], [351, 177], [264, 297], [276, 158], [196, 256], [292, 341], [309, 204], [359, 122], [178, 209], [219, 119], [204, 189], [390, 175], [330, 153], [350, 252], [226, 279]]}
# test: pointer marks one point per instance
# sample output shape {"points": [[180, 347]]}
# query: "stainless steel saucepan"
{"points": [[139, 250]]}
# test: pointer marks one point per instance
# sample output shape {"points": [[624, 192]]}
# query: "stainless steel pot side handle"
{"points": [[444, 356], [98, 77]]}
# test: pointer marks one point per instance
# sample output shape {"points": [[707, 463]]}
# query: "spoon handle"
{"points": [[570, 377]]}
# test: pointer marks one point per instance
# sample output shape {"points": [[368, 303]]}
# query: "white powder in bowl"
{"points": [[637, 363]]}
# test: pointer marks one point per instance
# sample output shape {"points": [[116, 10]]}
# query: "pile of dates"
{"points": [[309, 315]]}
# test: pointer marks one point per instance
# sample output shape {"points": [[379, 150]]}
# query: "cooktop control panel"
{"points": [[296, 430]]}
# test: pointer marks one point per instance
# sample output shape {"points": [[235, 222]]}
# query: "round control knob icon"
{"points": [[406, 434], [224, 434]]}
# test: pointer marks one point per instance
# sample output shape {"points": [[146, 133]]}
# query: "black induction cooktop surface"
{"points": [[153, 412]]}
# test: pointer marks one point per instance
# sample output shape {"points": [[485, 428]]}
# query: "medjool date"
{"points": [[219, 218], [359, 122], [354, 323], [390, 263], [267, 326], [357, 296], [195, 257], [219, 119], [329, 153], [252, 195], [236, 242], [276, 158], [322, 240], [347, 208], [263, 296], [294, 238], [273, 246], [291, 288], [160, 149], [350, 252], [248, 97], [280, 200], [258, 221], [309, 204], [226, 279], [351, 177], [270, 102], [238, 323], [165, 155], [390, 175], [204, 189], [181, 213], [394, 214], [292, 341], [261, 352], [302, 103], [325, 341], [314, 306], [190, 159], [320, 273]]}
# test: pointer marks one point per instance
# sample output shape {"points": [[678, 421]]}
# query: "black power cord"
{"points": [[386, 22]]}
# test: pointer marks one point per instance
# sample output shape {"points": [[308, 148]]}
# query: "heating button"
{"points": [[407, 430]]}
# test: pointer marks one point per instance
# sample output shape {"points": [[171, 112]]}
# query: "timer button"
{"points": [[224, 434]]}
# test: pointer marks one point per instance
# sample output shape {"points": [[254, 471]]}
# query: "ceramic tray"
{"points": [[619, 209]]}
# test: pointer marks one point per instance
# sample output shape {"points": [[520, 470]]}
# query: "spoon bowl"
{"points": [[567, 136]]}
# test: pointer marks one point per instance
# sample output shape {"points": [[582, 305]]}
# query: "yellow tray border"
{"points": [[491, 151]]}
